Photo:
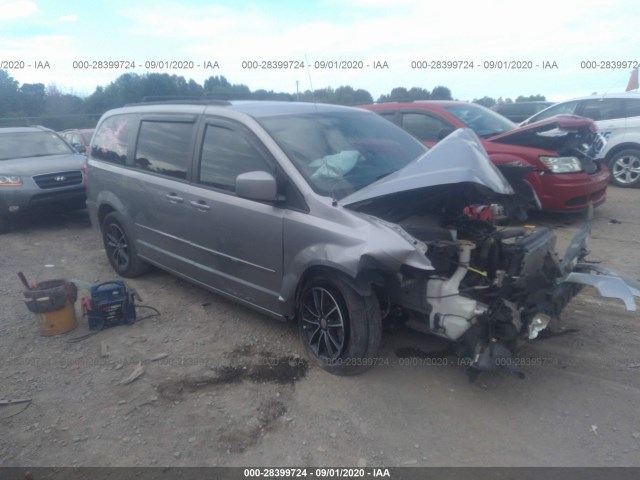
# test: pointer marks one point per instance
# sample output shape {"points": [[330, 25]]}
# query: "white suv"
{"points": [[617, 116]]}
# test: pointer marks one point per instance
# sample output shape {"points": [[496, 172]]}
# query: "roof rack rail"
{"points": [[164, 100]]}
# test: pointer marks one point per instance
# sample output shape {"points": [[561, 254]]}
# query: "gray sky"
{"points": [[588, 46]]}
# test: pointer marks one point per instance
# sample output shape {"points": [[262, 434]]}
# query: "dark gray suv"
{"points": [[337, 218], [38, 170]]}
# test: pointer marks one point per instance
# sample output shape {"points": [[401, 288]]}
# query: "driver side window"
{"points": [[226, 154]]}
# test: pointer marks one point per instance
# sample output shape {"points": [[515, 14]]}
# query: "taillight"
{"points": [[85, 173]]}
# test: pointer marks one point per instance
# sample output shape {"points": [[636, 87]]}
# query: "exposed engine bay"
{"points": [[493, 287], [566, 134], [490, 287]]}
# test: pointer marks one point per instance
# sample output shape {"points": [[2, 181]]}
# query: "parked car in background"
{"points": [[617, 116], [335, 217], [566, 177], [520, 111], [78, 138], [38, 171]]}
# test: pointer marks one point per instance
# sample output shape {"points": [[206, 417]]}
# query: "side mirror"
{"points": [[261, 186], [80, 148]]}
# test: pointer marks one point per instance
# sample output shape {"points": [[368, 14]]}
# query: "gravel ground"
{"points": [[223, 385]]}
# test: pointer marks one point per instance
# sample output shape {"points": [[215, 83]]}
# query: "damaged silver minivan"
{"points": [[337, 218]]}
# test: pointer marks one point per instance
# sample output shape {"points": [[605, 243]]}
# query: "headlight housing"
{"points": [[562, 164], [10, 181]]}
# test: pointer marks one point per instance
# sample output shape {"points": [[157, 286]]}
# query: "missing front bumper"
{"points": [[607, 283]]}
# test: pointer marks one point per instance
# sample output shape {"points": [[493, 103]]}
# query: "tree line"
{"points": [[33, 103]]}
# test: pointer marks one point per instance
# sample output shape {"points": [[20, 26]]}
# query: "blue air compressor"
{"points": [[112, 303]]}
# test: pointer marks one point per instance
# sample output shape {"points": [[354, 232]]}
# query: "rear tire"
{"points": [[121, 251], [625, 168], [340, 329]]}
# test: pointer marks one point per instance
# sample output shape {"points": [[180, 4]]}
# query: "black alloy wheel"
{"points": [[120, 250], [339, 327], [323, 323]]}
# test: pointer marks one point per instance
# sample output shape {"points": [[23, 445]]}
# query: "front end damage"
{"points": [[491, 287], [503, 286]]}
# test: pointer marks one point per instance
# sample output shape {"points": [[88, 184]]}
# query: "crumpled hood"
{"points": [[550, 133], [459, 158]]}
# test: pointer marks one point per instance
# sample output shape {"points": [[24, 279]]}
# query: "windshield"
{"points": [[341, 152], [31, 144], [486, 123]]}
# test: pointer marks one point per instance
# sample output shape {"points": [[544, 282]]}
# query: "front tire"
{"points": [[340, 329], [121, 251], [625, 168]]}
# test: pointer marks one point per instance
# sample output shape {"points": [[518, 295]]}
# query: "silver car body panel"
{"points": [[458, 158], [607, 283], [606, 286], [34, 166], [345, 241]]}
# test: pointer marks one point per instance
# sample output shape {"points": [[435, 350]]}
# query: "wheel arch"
{"points": [[620, 147], [104, 210], [362, 283], [107, 203]]}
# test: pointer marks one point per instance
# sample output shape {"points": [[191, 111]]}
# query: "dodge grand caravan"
{"points": [[337, 218]]}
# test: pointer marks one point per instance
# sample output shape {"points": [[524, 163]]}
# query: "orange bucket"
{"points": [[58, 321], [53, 303]]}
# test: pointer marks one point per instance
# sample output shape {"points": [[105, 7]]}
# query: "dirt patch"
{"points": [[281, 370], [258, 414], [237, 439], [175, 389], [284, 370]]}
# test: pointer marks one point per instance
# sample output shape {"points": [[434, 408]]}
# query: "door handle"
{"points": [[200, 205], [173, 198]]}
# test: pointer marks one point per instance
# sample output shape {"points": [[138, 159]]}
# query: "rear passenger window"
{"points": [[606, 109], [111, 141], [164, 148], [226, 154], [632, 107]]}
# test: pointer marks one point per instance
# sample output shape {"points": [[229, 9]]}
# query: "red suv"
{"points": [[562, 149]]}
